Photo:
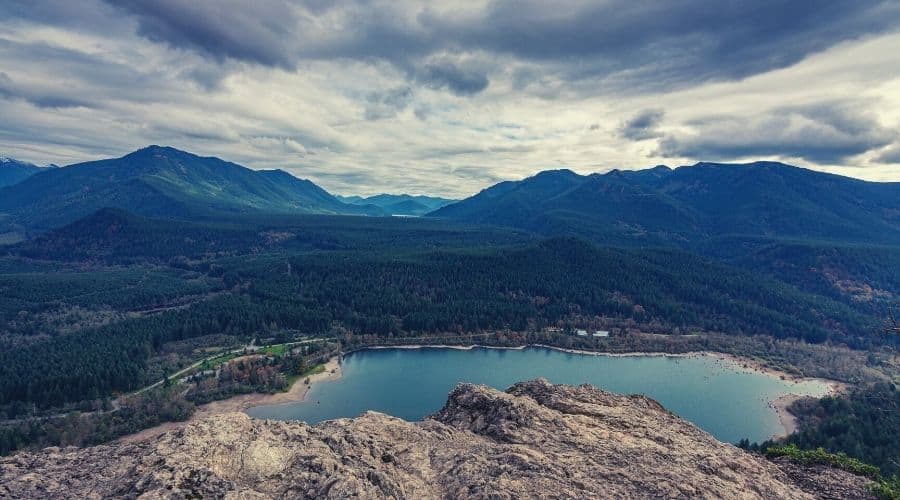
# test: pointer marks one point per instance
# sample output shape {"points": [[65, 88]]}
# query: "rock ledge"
{"points": [[534, 440]]}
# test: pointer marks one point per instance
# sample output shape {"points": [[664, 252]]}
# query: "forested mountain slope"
{"points": [[683, 206], [15, 171], [162, 182], [408, 294]]}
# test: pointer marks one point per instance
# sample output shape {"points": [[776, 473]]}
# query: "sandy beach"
{"points": [[787, 419], [296, 393]]}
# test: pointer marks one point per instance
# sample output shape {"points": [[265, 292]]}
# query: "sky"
{"points": [[447, 98]]}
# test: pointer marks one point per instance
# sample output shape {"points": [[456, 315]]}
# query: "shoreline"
{"points": [[786, 419], [242, 402], [299, 391], [439, 346], [749, 364]]}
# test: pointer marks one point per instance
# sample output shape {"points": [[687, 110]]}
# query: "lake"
{"points": [[718, 395]]}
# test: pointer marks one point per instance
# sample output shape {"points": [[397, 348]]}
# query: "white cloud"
{"points": [[363, 120]]}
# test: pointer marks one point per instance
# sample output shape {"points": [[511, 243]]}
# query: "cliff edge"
{"points": [[534, 440]]}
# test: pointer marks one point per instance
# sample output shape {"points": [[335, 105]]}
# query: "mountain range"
{"points": [[400, 204], [163, 182], [15, 171], [719, 208], [689, 205]]}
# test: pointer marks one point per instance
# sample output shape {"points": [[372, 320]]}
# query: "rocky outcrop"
{"points": [[535, 440]]}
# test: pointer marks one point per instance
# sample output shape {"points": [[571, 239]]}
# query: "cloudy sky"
{"points": [[398, 96]]}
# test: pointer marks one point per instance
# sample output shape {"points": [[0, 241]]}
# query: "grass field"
{"points": [[292, 379]]}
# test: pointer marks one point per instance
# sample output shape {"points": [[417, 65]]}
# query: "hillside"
{"points": [[684, 206], [15, 171], [534, 441], [391, 294], [114, 235], [866, 276], [400, 204], [162, 182]]}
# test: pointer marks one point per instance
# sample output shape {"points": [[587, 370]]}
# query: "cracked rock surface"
{"points": [[536, 440]]}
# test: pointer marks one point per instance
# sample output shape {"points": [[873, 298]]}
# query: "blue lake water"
{"points": [[718, 395]]}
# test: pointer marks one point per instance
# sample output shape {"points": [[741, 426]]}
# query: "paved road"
{"points": [[175, 376], [249, 348]]}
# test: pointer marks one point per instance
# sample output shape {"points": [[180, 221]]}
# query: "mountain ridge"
{"points": [[14, 171], [400, 204], [666, 206], [163, 181]]}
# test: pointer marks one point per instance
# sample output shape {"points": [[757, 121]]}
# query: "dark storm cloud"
{"points": [[260, 31], [458, 80], [890, 155], [629, 43], [825, 133], [666, 42], [643, 125], [95, 78], [85, 14]]}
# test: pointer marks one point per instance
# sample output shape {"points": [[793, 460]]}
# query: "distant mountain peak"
{"points": [[399, 204], [753, 164], [6, 160], [154, 148], [559, 172], [169, 152], [691, 203], [14, 171], [162, 181]]}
